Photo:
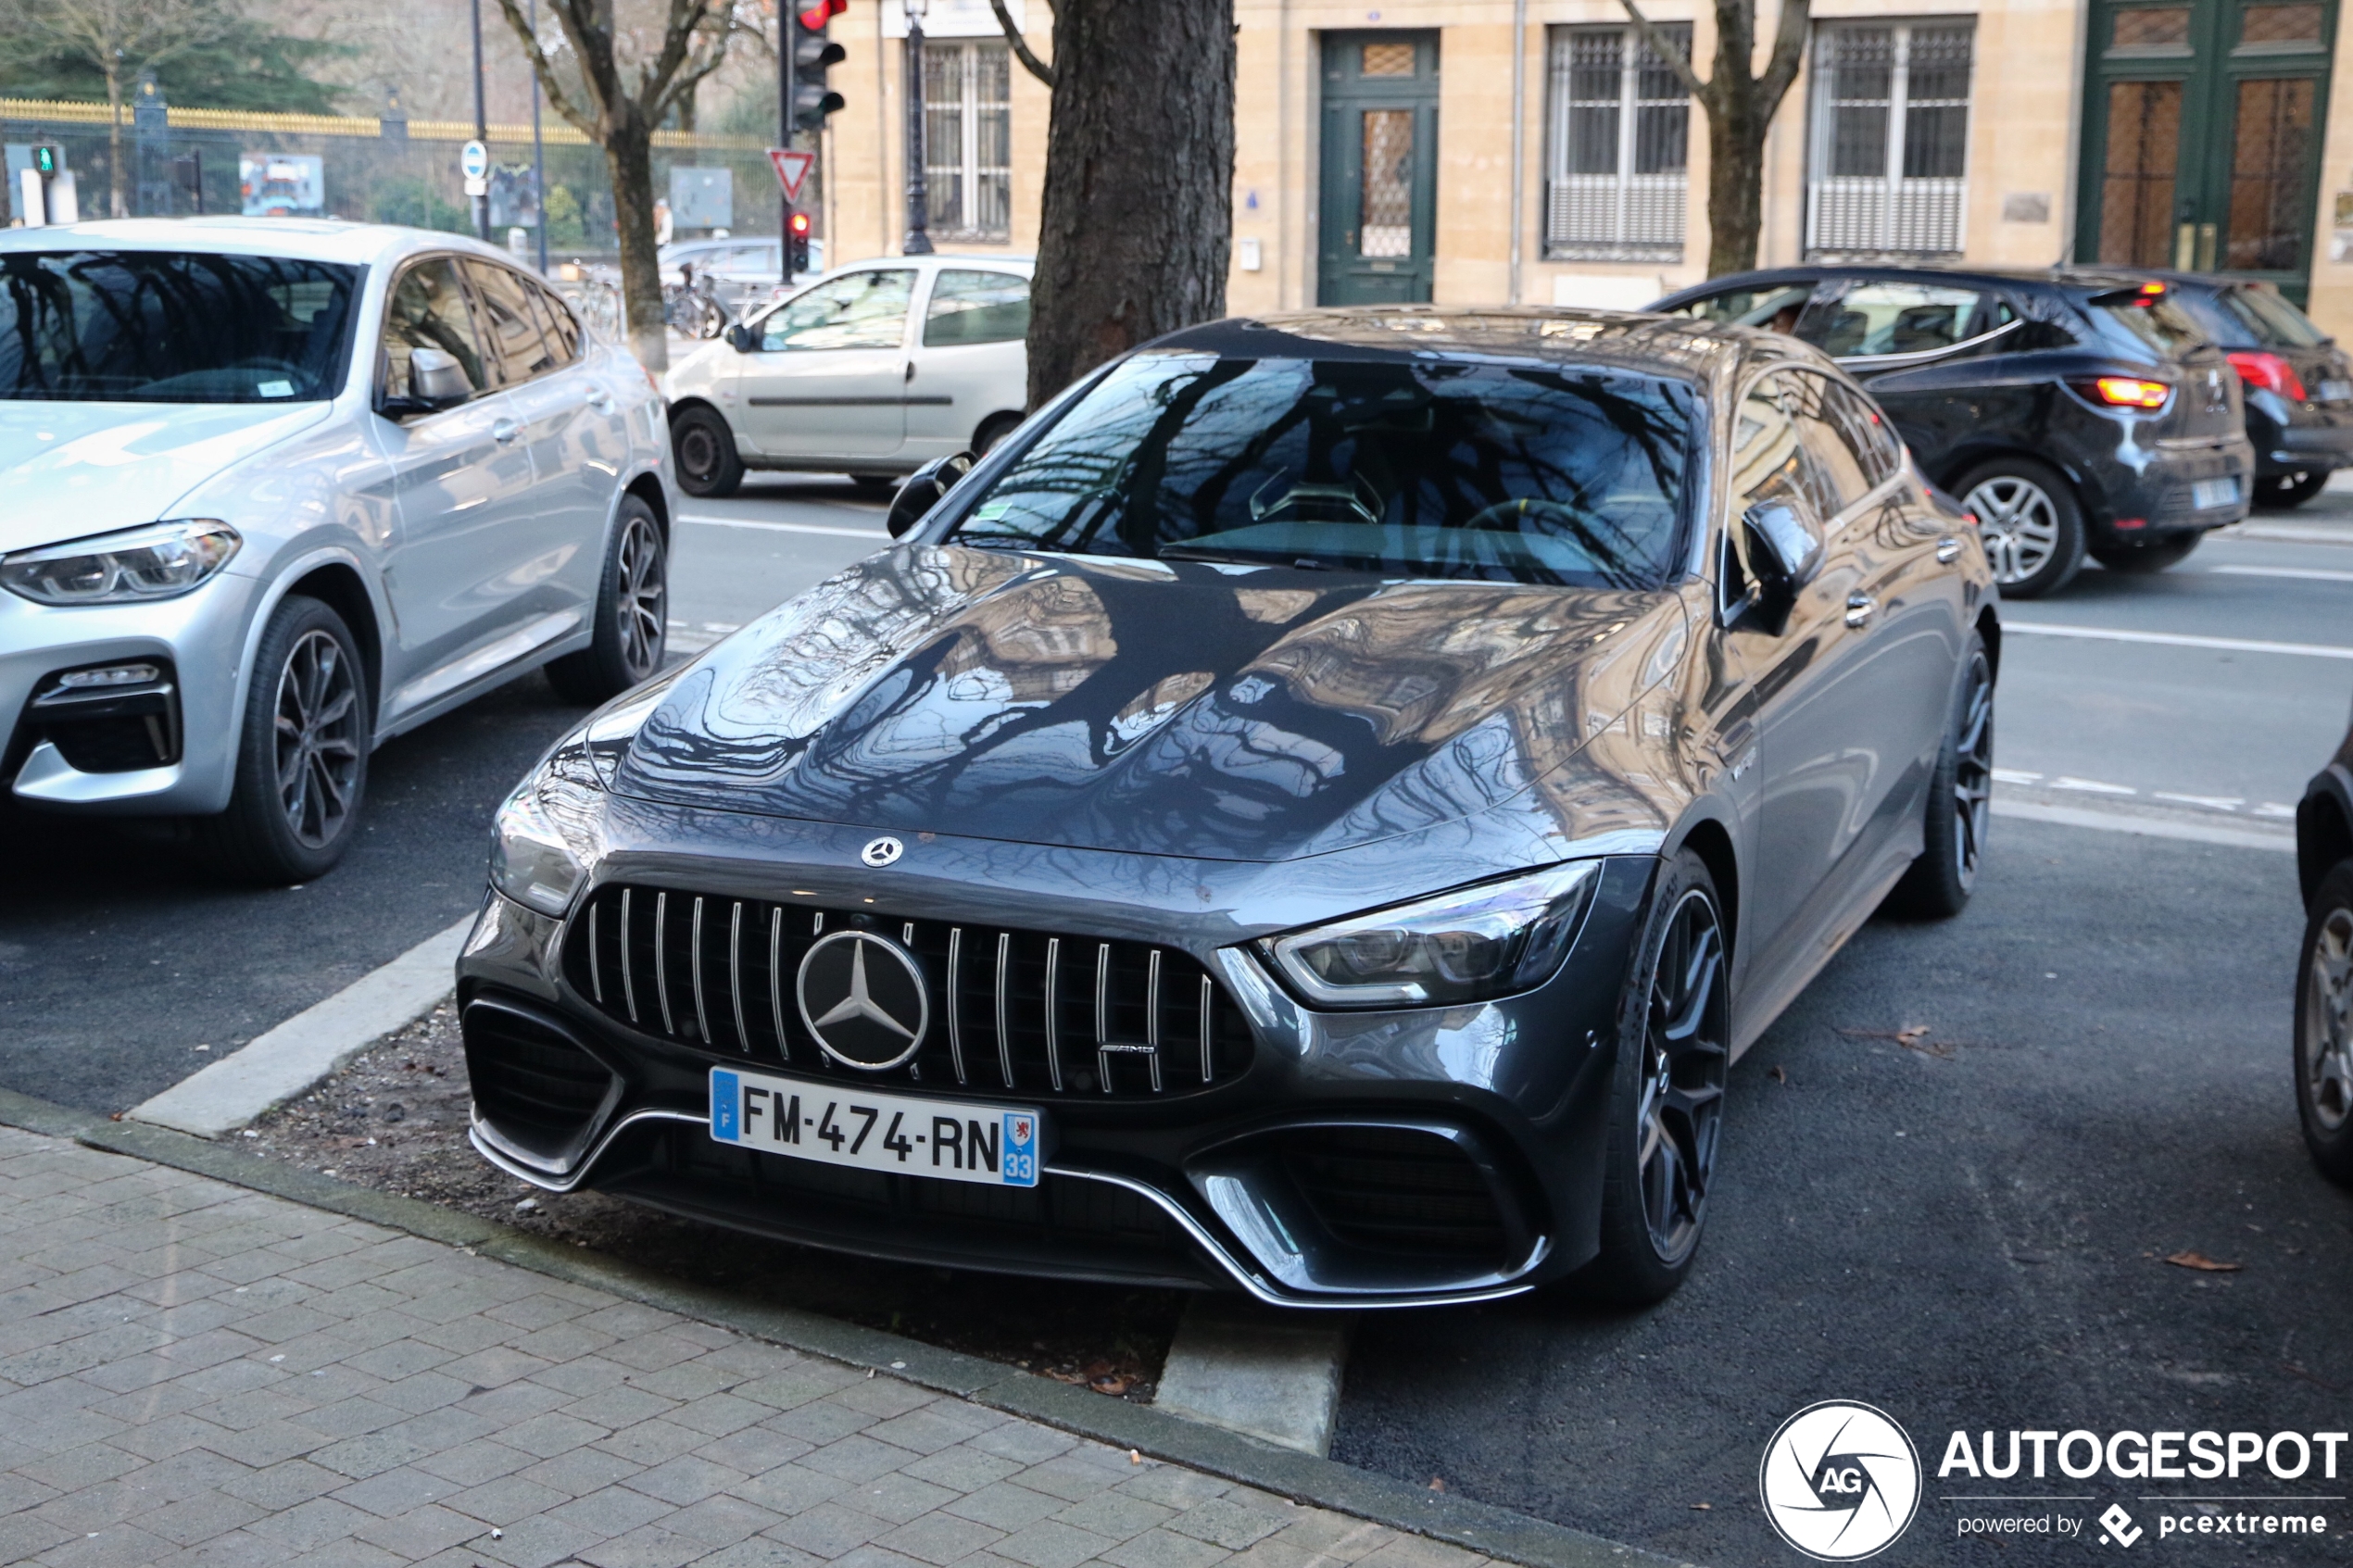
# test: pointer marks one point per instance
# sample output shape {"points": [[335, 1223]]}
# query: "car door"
{"points": [[1815, 755], [568, 423], [464, 478], [826, 378], [970, 360]]}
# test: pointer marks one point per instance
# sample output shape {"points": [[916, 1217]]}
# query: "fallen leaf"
{"points": [[2203, 1263], [1438, 1482], [1134, 1457], [1702, 1508], [1779, 1076], [1111, 1382], [1911, 1032]]}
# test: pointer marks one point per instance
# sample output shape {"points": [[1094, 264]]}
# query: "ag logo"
{"points": [[1839, 1480]]}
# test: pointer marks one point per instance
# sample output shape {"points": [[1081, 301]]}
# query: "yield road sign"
{"points": [[792, 168]]}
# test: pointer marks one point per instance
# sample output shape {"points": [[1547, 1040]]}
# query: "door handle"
{"points": [[505, 431], [1948, 550], [600, 399], [1860, 607], [911, 372]]}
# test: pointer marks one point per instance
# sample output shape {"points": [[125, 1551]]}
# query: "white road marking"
{"points": [[288, 1060], [2147, 827], [2178, 640], [2308, 573], [2212, 802], [2274, 809], [875, 534], [2092, 786], [2012, 775]]}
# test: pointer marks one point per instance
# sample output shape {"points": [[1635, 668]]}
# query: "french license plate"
{"points": [[2208, 493], [954, 1140], [2337, 392]]}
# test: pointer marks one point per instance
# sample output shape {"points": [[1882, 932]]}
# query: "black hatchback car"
{"points": [[2073, 413], [2298, 385], [1318, 809]]}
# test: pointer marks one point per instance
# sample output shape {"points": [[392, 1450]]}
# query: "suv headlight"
{"points": [[161, 560], [1486, 940]]}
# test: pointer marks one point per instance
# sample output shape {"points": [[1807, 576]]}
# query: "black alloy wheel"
{"points": [[704, 448], [302, 755], [633, 614], [2324, 1027], [1667, 1099], [2279, 491], [1960, 803]]}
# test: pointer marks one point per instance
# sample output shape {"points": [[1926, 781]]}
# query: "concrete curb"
{"points": [[1475, 1526], [287, 1060]]}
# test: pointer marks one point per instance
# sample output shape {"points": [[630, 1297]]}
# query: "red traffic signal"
{"points": [[801, 225], [817, 15]]}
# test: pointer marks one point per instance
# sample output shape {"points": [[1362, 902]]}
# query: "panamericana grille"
{"points": [[1012, 1011]]}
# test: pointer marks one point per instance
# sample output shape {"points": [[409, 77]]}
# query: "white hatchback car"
{"points": [[872, 371], [278, 490]]}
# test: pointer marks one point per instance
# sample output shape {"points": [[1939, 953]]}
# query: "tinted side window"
{"points": [[1769, 468], [428, 310], [1891, 317], [1866, 431], [510, 328], [556, 327], [1775, 306], [976, 307], [1834, 469]]}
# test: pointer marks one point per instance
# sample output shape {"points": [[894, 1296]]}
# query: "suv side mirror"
{"points": [[741, 338], [1782, 549], [435, 379], [922, 490]]}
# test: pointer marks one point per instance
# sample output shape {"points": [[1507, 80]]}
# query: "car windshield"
{"points": [[171, 327], [2266, 320], [1424, 467], [2137, 322]]}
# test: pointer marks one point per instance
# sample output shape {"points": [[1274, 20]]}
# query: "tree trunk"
{"points": [[1735, 189], [1138, 210], [629, 163], [115, 208]]}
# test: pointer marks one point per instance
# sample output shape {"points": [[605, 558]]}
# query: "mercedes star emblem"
{"points": [[881, 852], [863, 997]]}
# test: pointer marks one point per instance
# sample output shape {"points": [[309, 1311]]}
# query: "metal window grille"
{"points": [[1619, 132], [968, 139], [1887, 169]]}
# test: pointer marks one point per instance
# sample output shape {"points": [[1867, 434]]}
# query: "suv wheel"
{"points": [[302, 755], [633, 610], [2284, 490], [2032, 529], [2324, 1027], [705, 450]]}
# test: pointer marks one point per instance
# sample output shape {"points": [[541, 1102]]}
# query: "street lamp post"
{"points": [[538, 153], [918, 191], [481, 129]]}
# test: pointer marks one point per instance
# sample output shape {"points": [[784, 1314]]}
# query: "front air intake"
{"points": [[534, 1086]]}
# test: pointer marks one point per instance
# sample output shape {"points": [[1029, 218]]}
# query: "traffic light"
{"points": [[45, 162], [795, 245], [813, 55]]}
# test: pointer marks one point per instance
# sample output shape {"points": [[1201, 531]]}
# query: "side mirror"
{"points": [[1782, 549], [922, 490], [741, 338], [436, 380]]}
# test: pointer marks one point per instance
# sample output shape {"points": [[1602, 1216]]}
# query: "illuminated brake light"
{"points": [[2269, 371], [2129, 392]]}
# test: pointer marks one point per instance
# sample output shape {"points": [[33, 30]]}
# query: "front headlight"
{"points": [[1477, 942], [550, 832], [159, 562]]}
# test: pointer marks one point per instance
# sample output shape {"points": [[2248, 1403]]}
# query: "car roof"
{"points": [[1625, 339], [301, 239], [2071, 277]]}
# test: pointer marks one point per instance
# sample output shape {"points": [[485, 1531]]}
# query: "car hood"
{"points": [[1173, 709], [72, 470]]}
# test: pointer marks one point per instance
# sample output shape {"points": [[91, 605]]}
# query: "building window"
{"points": [[968, 139], [1890, 154], [1619, 129]]}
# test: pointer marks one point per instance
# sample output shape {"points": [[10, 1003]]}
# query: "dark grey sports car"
{"points": [[1319, 810]]}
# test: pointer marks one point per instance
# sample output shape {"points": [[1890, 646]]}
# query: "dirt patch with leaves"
{"points": [[395, 1119]]}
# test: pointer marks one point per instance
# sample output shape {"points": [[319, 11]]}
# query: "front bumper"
{"points": [[197, 640], [1404, 1158]]}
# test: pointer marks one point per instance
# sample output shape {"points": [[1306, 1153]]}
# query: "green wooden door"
{"points": [[2202, 129], [1379, 217]]}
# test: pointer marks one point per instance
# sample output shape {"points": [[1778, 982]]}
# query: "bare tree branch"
{"points": [[558, 98], [1664, 47], [1789, 52], [1030, 62]]}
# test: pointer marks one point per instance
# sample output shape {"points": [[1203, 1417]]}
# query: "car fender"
{"points": [[2324, 823]]}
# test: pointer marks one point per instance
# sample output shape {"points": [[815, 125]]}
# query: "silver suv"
{"points": [[277, 491]]}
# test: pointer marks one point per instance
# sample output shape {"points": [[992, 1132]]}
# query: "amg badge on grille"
{"points": [[863, 997]]}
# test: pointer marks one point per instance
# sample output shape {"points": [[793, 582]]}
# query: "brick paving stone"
{"points": [[196, 1376]]}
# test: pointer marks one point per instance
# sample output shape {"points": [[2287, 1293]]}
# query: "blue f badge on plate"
{"points": [[726, 1105]]}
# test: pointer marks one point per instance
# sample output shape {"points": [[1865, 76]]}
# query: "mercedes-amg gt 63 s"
{"points": [[1318, 809]]}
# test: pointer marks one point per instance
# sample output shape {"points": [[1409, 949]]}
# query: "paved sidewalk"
{"points": [[195, 1374]]}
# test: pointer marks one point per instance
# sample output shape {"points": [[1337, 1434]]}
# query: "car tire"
{"points": [[2281, 491], [1666, 1093], [632, 606], [2142, 560], [704, 448], [992, 430], [2030, 522], [302, 752], [2324, 1026], [1960, 795]]}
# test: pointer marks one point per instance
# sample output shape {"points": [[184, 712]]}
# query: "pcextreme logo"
{"points": [[1841, 1480]]}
